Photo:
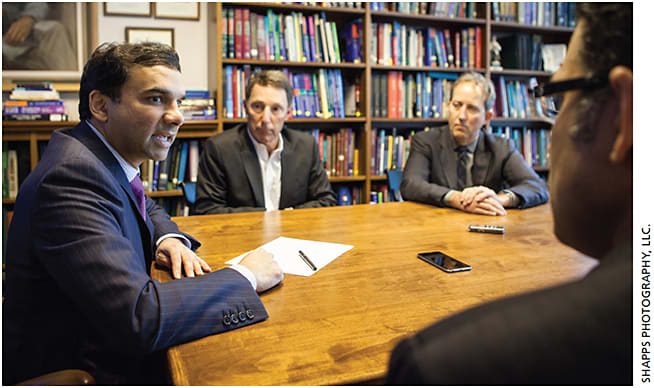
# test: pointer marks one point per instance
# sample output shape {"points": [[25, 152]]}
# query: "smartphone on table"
{"points": [[444, 262]]}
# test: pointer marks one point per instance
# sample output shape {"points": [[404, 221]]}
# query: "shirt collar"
{"points": [[129, 170], [472, 146], [261, 149]]}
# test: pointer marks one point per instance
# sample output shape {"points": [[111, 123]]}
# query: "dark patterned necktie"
{"points": [[461, 167], [139, 193]]}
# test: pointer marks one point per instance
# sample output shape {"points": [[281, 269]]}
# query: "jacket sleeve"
{"points": [[523, 180], [416, 184], [320, 190], [86, 237]]}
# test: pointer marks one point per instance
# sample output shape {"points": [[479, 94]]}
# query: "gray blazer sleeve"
{"points": [[523, 181], [417, 183]]}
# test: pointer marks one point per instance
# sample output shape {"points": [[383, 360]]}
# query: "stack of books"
{"points": [[34, 102], [198, 105]]}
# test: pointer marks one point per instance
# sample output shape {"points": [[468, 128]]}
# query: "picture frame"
{"points": [[150, 34], [68, 25], [128, 9], [177, 10]]}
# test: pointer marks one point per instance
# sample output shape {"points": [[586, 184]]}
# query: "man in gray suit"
{"points": [[463, 167], [84, 236], [578, 333], [262, 165]]}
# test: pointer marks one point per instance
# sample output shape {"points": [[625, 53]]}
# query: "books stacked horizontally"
{"points": [[198, 105], [34, 102]]}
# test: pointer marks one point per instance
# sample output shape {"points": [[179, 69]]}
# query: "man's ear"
{"points": [[622, 81], [99, 105], [489, 115]]}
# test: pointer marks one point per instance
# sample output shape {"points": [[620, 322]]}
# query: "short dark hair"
{"points": [[607, 42], [273, 78], [609, 35], [110, 63]]}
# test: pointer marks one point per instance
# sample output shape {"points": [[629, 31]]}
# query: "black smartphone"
{"points": [[444, 262]]}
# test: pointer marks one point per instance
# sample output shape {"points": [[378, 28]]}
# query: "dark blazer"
{"points": [[430, 171], [575, 334], [79, 292], [229, 176]]}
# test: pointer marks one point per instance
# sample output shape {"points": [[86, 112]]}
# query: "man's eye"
{"points": [[156, 99]]}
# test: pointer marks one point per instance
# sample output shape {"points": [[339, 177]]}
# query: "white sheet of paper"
{"points": [[285, 251]]}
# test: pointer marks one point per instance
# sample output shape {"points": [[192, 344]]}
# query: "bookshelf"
{"points": [[361, 74]]}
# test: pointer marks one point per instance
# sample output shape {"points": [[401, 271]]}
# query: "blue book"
{"points": [[279, 20], [155, 176], [183, 158], [341, 94], [344, 196], [426, 92], [418, 109], [204, 94], [229, 96], [380, 152]]}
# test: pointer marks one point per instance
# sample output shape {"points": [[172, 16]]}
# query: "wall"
{"points": [[191, 41]]}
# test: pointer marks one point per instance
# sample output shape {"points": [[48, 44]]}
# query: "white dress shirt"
{"points": [[271, 171]]}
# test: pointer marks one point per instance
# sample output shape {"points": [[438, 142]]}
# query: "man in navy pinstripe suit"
{"points": [[79, 292]]}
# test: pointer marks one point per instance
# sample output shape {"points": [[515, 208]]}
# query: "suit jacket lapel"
{"points": [[448, 157], [251, 166], [85, 135], [481, 161]]}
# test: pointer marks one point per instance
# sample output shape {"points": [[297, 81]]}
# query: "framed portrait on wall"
{"points": [[53, 47], [150, 34]]}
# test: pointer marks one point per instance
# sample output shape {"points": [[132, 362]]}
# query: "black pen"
{"points": [[306, 260]]}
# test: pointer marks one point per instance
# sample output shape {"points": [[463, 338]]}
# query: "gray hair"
{"points": [[482, 83]]}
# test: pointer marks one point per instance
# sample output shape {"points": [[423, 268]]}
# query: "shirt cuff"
{"points": [[175, 235], [447, 196], [514, 200], [246, 273]]}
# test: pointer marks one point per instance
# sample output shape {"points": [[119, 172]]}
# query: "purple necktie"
{"points": [[139, 193]]}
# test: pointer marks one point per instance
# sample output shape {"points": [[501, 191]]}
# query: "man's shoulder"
{"points": [[228, 137], [496, 144], [295, 136]]}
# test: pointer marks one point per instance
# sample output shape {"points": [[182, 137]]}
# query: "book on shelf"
{"points": [[38, 101], [389, 148], [36, 117], [421, 94], [532, 143], [297, 37]]}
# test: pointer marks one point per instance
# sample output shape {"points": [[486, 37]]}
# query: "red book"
{"points": [[246, 33], [392, 94], [478, 47], [238, 37], [321, 148]]}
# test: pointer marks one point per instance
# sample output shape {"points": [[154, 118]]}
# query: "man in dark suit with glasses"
{"points": [[581, 332]]}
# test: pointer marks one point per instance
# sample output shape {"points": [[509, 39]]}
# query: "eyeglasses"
{"points": [[550, 92]]}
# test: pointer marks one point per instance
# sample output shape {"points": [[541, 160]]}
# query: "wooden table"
{"points": [[340, 325]]}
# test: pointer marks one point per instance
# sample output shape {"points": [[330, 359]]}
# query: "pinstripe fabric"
{"points": [[79, 294]]}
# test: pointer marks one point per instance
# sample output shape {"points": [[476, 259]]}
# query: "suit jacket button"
{"points": [[249, 314], [241, 316], [234, 319], [226, 320]]}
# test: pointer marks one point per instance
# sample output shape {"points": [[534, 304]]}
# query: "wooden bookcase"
{"points": [[33, 132]]}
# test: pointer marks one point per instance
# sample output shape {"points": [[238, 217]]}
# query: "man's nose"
{"points": [[266, 116], [173, 115]]}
